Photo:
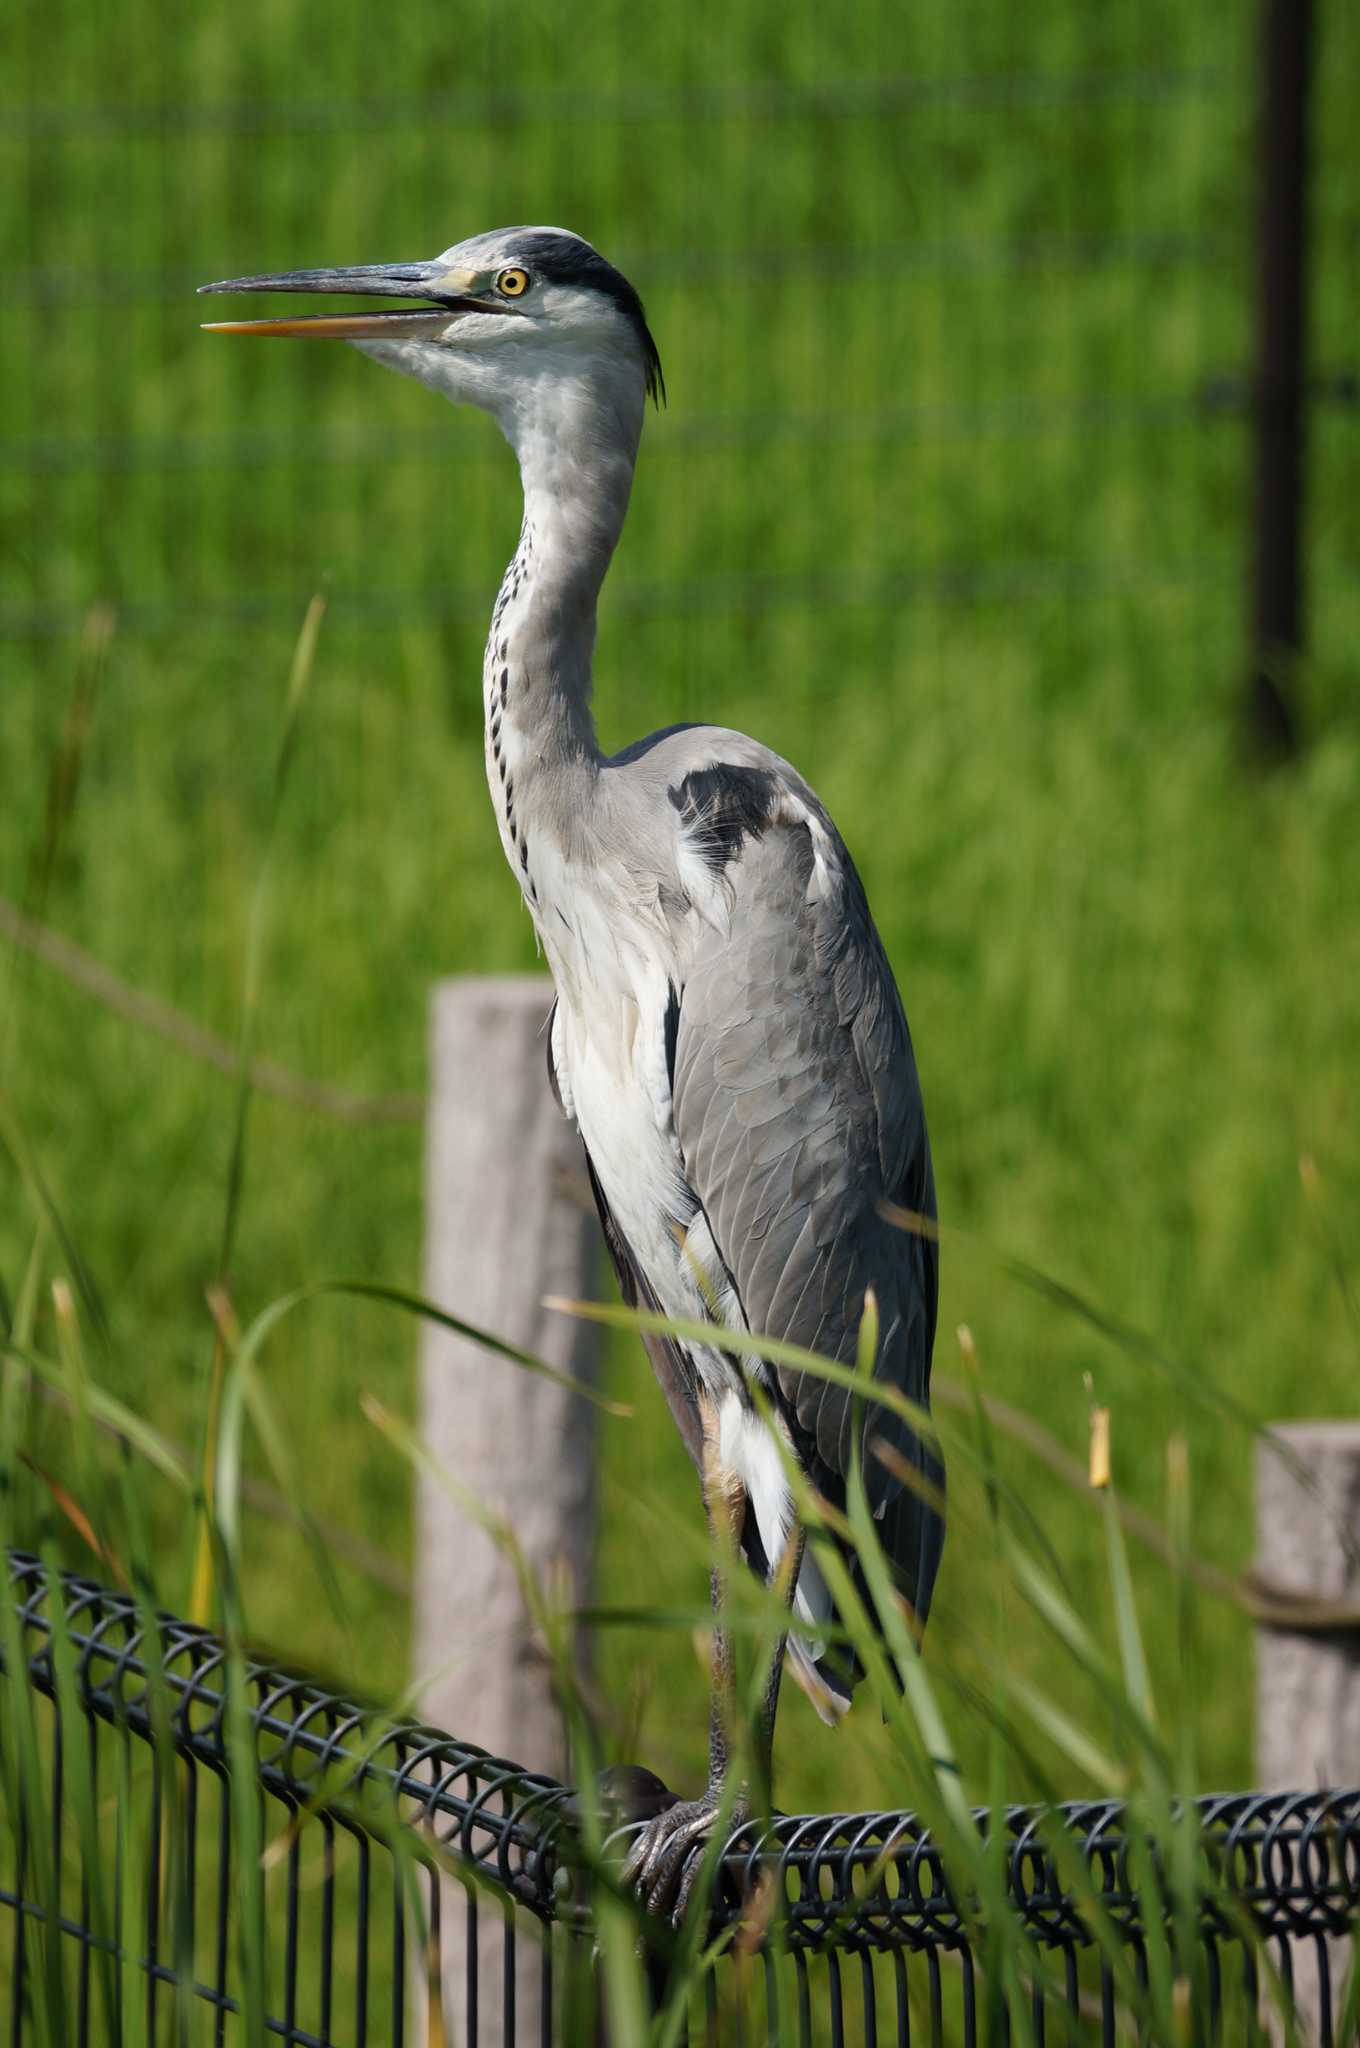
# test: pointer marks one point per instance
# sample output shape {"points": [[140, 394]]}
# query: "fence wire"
{"points": [[1044, 236], [127, 435], [401, 1865]]}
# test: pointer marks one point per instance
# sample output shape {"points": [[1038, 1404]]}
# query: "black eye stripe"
{"points": [[565, 259], [549, 256]]}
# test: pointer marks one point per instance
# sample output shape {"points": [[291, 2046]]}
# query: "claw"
{"points": [[668, 1852]]}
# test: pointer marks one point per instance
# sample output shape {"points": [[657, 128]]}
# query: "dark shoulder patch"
{"points": [[722, 806]]}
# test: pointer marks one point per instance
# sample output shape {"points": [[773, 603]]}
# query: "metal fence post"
{"points": [[504, 1227], [1281, 372]]}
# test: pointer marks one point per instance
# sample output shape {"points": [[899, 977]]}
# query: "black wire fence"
{"points": [[396, 1859]]}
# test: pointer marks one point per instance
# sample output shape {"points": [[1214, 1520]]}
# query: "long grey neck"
{"points": [[541, 752]]}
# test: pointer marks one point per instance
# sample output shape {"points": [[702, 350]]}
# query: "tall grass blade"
{"points": [[64, 770], [69, 1508], [415, 1305], [1333, 1243], [1133, 1655], [16, 1383], [25, 1774], [615, 1917], [177, 1878], [79, 1792], [47, 1211], [304, 655], [300, 673], [112, 1414]]}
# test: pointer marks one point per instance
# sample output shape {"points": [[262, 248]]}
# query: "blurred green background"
{"points": [[947, 507]]}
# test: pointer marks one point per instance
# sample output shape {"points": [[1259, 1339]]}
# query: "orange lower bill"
{"points": [[418, 325]]}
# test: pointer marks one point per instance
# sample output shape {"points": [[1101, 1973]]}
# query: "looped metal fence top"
{"points": [[357, 1784], [878, 1880], [313, 1749]]}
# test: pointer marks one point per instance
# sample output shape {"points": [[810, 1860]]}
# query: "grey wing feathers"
{"points": [[798, 1112]]}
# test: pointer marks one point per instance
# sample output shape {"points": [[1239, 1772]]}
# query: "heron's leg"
{"points": [[784, 1581], [667, 1854]]}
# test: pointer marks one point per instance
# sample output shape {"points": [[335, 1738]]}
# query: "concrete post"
{"points": [[1308, 1681], [504, 1227]]}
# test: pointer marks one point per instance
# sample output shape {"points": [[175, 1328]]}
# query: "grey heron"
{"points": [[727, 1034]]}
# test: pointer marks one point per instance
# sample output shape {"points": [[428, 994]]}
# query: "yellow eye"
{"points": [[513, 284]]}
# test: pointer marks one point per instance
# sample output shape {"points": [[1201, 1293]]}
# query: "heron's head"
{"points": [[522, 322]]}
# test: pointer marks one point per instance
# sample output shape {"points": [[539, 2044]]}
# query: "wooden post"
{"points": [[1308, 1542], [1308, 1681], [505, 1225]]}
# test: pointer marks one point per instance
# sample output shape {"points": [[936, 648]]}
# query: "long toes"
{"points": [[662, 1876], [689, 1876], [649, 1846], [669, 1877], [658, 1864], [654, 1877]]}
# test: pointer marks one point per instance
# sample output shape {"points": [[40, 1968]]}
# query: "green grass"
{"points": [[94, 1841], [935, 511]]}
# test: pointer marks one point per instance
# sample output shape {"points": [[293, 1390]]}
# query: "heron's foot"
{"points": [[668, 1853]]}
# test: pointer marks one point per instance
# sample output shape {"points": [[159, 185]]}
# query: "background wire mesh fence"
{"points": [[993, 262]]}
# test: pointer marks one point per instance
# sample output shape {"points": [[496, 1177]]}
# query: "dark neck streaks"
{"points": [[542, 755]]}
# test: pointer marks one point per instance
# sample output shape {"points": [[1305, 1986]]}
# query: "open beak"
{"points": [[450, 290]]}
